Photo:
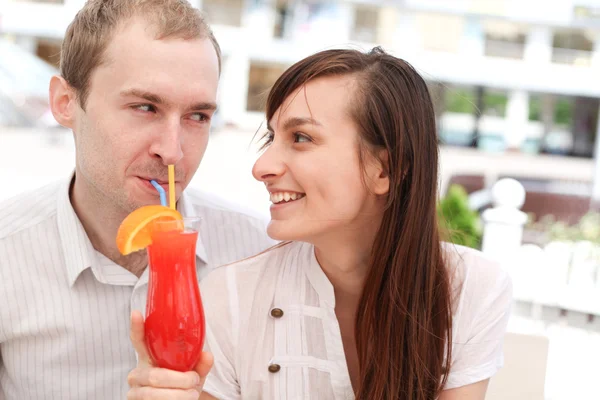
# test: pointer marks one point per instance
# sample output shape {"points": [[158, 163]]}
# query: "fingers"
{"points": [[205, 364], [149, 382], [148, 393], [163, 378], [137, 337]]}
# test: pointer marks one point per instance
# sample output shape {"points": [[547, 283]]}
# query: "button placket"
{"points": [[275, 313]]}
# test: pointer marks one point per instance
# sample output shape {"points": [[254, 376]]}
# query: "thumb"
{"points": [[204, 365], [137, 337]]}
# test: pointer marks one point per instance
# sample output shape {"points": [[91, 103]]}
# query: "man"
{"points": [[138, 88]]}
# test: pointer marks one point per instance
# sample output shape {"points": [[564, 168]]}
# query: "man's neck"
{"points": [[101, 224]]}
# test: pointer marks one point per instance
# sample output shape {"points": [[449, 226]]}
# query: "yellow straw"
{"points": [[172, 187]]}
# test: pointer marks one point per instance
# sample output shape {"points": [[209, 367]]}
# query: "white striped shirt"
{"points": [[64, 319], [272, 328]]}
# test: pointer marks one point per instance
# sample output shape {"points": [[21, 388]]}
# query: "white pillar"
{"points": [[406, 27], [233, 87], [517, 117], [27, 43], [196, 3], [538, 45], [258, 21], [75, 3], [473, 40], [596, 52], [386, 26], [331, 26], [548, 106], [298, 22], [504, 222], [595, 200]]}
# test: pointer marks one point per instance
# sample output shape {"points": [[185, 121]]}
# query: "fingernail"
{"points": [[198, 380]]}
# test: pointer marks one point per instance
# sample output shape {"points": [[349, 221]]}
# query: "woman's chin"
{"points": [[282, 231]]}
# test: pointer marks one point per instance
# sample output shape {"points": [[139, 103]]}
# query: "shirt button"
{"points": [[276, 313], [274, 368]]}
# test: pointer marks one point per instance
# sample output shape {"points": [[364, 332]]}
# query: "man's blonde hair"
{"points": [[88, 35]]}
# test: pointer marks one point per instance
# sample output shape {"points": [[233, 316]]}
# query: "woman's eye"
{"points": [[301, 138], [268, 138]]}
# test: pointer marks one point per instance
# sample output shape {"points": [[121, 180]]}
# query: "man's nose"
{"points": [[167, 143]]}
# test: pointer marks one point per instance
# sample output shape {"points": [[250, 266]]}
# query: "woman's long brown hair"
{"points": [[404, 318]]}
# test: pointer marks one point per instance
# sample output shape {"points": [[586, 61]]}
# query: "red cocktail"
{"points": [[174, 326]]}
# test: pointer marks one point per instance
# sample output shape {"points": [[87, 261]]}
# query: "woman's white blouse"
{"points": [[271, 325]]}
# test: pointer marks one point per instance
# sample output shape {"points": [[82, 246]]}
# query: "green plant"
{"points": [[458, 223], [460, 100], [563, 112], [587, 228], [535, 108], [495, 103]]}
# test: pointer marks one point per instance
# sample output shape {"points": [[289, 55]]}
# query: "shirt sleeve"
{"points": [[221, 381], [480, 323]]}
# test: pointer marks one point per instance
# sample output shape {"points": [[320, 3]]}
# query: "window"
{"points": [[49, 51], [494, 103], [572, 47], [504, 39], [261, 77], [223, 12], [283, 16], [365, 24]]}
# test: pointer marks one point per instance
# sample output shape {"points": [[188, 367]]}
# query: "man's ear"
{"points": [[63, 101]]}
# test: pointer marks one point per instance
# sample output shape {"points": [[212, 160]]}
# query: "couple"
{"points": [[359, 299]]}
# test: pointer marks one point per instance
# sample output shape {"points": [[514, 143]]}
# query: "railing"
{"points": [[559, 274]]}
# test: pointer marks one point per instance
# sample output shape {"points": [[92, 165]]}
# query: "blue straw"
{"points": [[161, 192]]}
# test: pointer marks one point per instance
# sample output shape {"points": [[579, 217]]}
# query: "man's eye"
{"points": [[145, 107], [200, 117]]}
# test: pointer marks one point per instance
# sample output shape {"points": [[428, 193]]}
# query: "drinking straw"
{"points": [[172, 186], [161, 193]]}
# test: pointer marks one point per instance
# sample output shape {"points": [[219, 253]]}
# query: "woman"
{"points": [[361, 297]]}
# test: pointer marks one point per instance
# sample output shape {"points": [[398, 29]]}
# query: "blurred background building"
{"points": [[516, 89], [505, 74]]}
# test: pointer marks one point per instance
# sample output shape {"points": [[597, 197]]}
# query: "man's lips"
{"points": [[163, 183]]}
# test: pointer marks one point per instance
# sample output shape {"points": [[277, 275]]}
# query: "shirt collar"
{"points": [[317, 277], [76, 246], [78, 249]]}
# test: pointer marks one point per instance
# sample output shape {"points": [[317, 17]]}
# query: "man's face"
{"points": [[150, 104]]}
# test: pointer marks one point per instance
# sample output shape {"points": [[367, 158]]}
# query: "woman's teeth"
{"points": [[285, 196]]}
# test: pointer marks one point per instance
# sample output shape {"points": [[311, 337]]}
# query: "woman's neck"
{"points": [[346, 265], [345, 256]]}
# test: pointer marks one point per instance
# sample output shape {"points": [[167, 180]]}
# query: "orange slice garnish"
{"points": [[135, 232]]}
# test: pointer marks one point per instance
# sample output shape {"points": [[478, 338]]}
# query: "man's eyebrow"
{"points": [[151, 97], [203, 105], [156, 99]]}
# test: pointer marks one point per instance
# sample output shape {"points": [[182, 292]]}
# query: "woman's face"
{"points": [[311, 166]]}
